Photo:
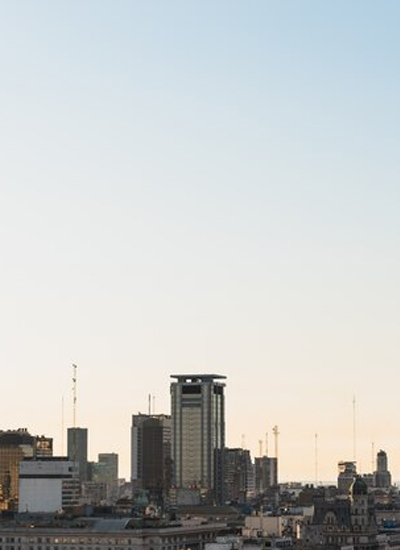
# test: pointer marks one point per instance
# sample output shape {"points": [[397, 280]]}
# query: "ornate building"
{"points": [[343, 521]]}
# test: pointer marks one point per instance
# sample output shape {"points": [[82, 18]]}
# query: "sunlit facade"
{"points": [[15, 445], [198, 433]]}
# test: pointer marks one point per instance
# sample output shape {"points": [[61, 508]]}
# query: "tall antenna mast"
{"points": [[354, 428], [243, 441], [276, 434], [373, 457], [316, 460], [149, 404], [74, 382], [62, 425], [266, 444], [260, 446]]}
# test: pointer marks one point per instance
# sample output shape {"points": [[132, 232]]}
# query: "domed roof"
{"points": [[358, 487]]}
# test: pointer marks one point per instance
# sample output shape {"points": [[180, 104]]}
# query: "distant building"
{"points": [[78, 450], [105, 473], [15, 445], [44, 446], [382, 476], [343, 522], [238, 475], [198, 434], [266, 473], [151, 453], [47, 484], [347, 474], [105, 533]]}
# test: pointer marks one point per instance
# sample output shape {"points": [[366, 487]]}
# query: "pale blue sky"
{"points": [[203, 186]]}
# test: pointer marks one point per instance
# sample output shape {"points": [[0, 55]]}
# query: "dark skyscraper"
{"points": [[78, 450], [151, 453], [198, 433]]}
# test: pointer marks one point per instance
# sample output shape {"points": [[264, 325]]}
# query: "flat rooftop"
{"points": [[197, 377]]}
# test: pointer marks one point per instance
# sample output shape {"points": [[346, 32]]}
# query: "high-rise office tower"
{"points": [[151, 453], [78, 450], [198, 433]]}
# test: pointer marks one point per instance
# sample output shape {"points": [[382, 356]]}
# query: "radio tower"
{"points": [[354, 429], [74, 384], [276, 434]]}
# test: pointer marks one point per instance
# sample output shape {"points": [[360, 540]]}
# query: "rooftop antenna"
{"points": [[373, 456], [260, 446], [74, 382], [243, 441], [62, 425], [74, 385], [266, 444], [276, 434], [154, 404], [316, 460], [149, 404]]}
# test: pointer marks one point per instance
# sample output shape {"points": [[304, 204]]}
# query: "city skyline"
{"points": [[269, 446], [203, 187]]}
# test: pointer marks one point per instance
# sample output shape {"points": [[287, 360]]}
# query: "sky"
{"points": [[202, 186]]}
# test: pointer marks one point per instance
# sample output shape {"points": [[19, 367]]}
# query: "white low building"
{"points": [[48, 484]]}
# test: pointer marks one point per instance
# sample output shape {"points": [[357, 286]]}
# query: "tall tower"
{"points": [[151, 453], [383, 477], [198, 433], [77, 442]]}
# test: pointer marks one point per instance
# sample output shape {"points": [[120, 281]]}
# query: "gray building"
{"points": [[266, 473], [198, 434], [78, 450], [382, 476], [238, 475], [151, 453], [347, 474]]}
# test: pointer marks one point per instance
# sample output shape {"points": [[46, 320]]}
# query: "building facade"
{"points": [[47, 484], [198, 433], [266, 473], [382, 476], [15, 445], [343, 522], [347, 473], [77, 443], [151, 453], [238, 475], [106, 534]]}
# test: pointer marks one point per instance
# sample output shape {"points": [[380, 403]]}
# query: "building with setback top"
{"points": [[198, 434]]}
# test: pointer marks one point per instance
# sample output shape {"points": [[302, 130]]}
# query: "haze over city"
{"points": [[203, 187]]}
